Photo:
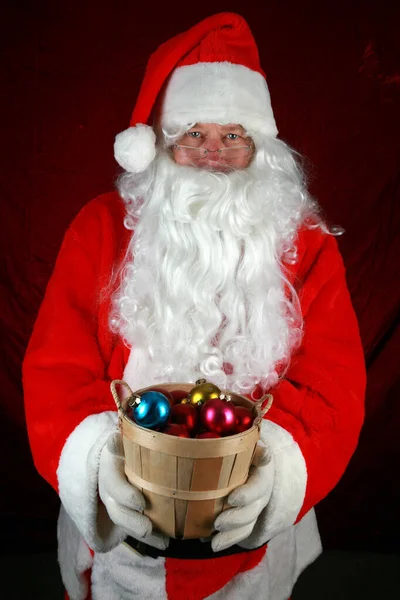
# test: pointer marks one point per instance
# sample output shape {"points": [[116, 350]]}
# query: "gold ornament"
{"points": [[202, 392]]}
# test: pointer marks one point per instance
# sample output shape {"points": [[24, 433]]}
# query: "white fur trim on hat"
{"points": [[218, 92], [135, 148]]}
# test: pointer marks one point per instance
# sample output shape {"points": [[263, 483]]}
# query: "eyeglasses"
{"points": [[230, 152]]}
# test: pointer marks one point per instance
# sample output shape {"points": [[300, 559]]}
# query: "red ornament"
{"points": [[218, 416], [206, 435], [185, 414], [244, 419], [177, 430], [179, 395]]}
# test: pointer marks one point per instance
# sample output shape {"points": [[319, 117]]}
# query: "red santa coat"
{"points": [[312, 427]]}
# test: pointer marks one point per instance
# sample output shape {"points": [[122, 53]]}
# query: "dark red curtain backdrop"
{"points": [[70, 72]]}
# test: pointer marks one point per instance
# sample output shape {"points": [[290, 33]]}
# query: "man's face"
{"points": [[214, 147]]}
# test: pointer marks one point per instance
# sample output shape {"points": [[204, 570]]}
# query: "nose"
{"points": [[212, 143]]}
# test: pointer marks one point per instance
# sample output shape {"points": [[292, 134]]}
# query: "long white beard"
{"points": [[203, 292]]}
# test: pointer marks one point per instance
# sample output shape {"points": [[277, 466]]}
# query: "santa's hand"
{"points": [[124, 502], [236, 524]]}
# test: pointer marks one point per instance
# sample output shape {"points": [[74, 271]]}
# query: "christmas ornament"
{"points": [[244, 419], [177, 430], [206, 435], [179, 395], [218, 415], [185, 414], [202, 392], [166, 393], [150, 410]]}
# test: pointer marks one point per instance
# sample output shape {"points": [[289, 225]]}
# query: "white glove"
{"points": [[123, 501], [249, 500]]}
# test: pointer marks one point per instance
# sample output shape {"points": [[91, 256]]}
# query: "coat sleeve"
{"points": [[314, 423], [68, 404]]}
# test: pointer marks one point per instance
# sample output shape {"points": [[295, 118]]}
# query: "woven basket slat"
{"points": [[200, 518], [159, 467], [183, 482], [206, 472], [226, 470], [161, 511], [133, 456], [184, 473], [241, 467], [181, 507]]}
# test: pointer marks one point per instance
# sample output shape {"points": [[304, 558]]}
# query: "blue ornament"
{"points": [[150, 410]]}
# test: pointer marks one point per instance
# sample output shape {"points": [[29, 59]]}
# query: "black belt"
{"points": [[184, 549]]}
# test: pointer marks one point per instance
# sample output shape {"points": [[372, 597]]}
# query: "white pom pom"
{"points": [[135, 148]]}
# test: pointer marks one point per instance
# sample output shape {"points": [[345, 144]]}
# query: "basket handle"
{"points": [[262, 410], [114, 392]]}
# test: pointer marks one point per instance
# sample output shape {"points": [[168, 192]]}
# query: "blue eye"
{"points": [[233, 136], [194, 134]]}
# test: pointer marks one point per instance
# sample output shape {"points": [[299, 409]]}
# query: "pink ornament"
{"points": [[244, 419], [185, 414], [218, 416]]}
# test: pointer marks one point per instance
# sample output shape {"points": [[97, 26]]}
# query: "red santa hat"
{"points": [[211, 74]]}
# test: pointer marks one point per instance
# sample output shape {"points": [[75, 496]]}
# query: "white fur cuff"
{"points": [[78, 481], [290, 480]]}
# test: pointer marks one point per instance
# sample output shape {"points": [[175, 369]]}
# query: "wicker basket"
{"points": [[186, 481]]}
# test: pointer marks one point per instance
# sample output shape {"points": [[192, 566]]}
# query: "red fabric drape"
{"points": [[71, 72]]}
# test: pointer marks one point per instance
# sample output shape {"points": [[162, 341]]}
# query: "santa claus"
{"points": [[210, 261]]}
